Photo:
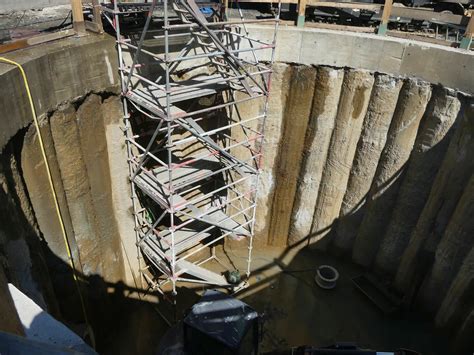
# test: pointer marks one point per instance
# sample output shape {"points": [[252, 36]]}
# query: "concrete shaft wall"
{"points": [[83, 152], [375, 167], [430, 62], [86, 153], [362, 167]]}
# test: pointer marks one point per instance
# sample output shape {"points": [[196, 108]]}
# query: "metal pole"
{"points": [[128, 135], [140, 44], [170, 155], [260, 143]]}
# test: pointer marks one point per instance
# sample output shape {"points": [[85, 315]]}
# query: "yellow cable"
{"points": [[53, 190]]}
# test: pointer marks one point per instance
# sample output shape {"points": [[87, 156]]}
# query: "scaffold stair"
{"points": [[182, 266], [154, 99], [184, 239], [188, 89], [188, 172], [186, 267], [189, 12], [214, 216]]}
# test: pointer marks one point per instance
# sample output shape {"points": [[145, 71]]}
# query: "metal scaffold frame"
{"points": [[187, 74]]}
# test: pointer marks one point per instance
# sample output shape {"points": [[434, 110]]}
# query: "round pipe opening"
{"points": [[326, 277]]}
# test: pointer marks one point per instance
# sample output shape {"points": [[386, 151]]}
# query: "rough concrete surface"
{"points": [[273, 134], [455, 306], [371, 143], [382, 195], [58, 71], [36, 179], [94, 152], [298, 108], [253, 115], [21, 269], [76, 186], [463, 343], [434, 63], [430, 147], [120, 186], [19, 233], [452, 249], [455, 171], [355, 95], [318, 136], [9, 5]]}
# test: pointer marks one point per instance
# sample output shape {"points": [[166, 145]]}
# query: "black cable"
{"points": [[60, 25], [19, 21]]}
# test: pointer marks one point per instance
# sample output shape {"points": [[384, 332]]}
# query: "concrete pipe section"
{"points": [[326, 277]]}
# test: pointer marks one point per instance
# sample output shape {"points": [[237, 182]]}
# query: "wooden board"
{"points": [[28, 42], [332, 26], [420, 37], [78, 16]]}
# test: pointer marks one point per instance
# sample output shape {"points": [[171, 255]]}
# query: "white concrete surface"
{"points": [[39, 325], [434, 63]]}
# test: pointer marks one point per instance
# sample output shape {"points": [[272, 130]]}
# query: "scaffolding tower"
{"points": [[194, 141]]}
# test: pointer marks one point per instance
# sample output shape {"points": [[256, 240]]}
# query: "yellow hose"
{"points": [[53, 191]]}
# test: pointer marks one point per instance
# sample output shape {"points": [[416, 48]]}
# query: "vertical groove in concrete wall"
{"points": [[87, 156], [298, 108], [371, 143], [76, 186], [318, 136], [355, 94], [455, 171], [273, 133], [411, 106], [452, 249], [36, 179], [460, 297], [93, 142], [425, 160]]}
